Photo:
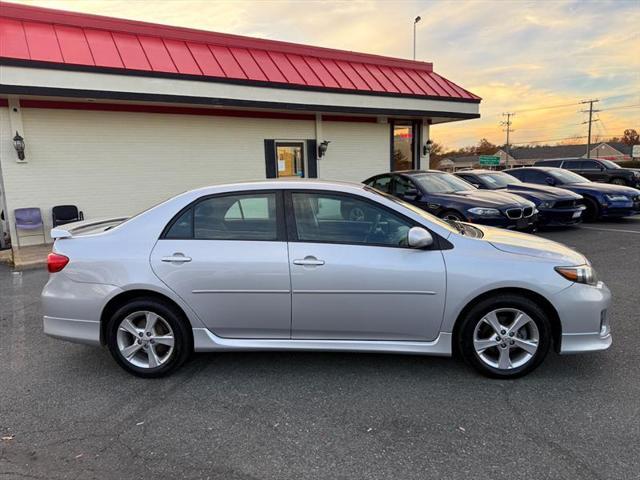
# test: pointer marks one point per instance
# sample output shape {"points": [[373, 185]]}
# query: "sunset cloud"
{"points": [[519, 56]]}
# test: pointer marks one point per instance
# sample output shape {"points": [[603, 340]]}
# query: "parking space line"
{"points": [[612, 230]]}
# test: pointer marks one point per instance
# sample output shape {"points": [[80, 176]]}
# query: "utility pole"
{"points": [[415, 22], [507, 123], [591, 120]]}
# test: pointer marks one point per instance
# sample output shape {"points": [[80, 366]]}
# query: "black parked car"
{"points": [[604, 171], [556, 206], [451, 198], [602, 200]]}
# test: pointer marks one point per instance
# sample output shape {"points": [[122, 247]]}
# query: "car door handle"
{"points": [[177, 258], [309, 261]]}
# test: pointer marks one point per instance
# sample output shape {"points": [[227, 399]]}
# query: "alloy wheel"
{"points": [[506, 338], [145, 339]]}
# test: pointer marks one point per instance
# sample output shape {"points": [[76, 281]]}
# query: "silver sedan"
{"points": [[277, 265]]}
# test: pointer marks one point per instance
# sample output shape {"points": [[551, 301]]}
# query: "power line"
{"points": [[621, 107], [549, 140], [548, 107]]}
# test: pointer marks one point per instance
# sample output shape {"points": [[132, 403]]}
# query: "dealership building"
{"points": [[114, 115]]}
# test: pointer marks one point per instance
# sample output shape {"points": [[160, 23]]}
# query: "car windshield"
{"points": [[610, 164], [498, 179], [416, 210], [441, 183], [566, 177]]}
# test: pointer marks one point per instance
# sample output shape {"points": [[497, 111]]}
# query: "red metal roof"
{"points": [[33, 34]]}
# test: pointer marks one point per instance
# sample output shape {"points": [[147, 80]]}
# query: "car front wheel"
{"points": [[505, 337], [148, 338]]}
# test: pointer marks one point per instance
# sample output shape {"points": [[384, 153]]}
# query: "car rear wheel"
{"points": [[148, 338], [619, 181], [505, 337]]}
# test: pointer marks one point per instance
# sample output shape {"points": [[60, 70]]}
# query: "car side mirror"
{"points": [[419, 237], [550, 181], [477, 185]]}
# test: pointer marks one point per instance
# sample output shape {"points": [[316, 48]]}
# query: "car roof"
{"points": [[293, 183], [541, 169], [477, 171]]}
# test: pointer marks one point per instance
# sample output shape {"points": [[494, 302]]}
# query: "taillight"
{"points": [[56, 262]]}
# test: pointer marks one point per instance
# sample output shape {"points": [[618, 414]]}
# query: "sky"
{"points": [[519, 56]]}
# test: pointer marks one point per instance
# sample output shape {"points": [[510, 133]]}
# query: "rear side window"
{"points": [[549, 163], [590, 165], [382, 183], [229, 217], [572, 164]]}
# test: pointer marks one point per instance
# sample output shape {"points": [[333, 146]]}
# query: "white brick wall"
{"points": [[118, 163]]}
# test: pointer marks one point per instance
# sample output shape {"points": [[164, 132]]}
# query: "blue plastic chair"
{"points": [[29, 219]]}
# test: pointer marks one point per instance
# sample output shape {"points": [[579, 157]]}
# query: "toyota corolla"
{"points": [[275, 265]]}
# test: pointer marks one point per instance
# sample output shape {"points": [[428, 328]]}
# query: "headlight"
{"points": [[616, 198], [580, 274], [546, 205], [485, 212]]}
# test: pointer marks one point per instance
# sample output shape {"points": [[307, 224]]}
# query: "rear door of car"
{"points": [[352, 279], [226, 256], [575, 166]]}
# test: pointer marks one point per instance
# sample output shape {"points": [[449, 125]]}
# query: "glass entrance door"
{"points": [[290, 159], [404, 145]]}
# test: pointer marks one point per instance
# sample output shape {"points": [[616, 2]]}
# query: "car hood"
{"points": [[542, 192], [531, 245], [602, 188], [485, 198]]}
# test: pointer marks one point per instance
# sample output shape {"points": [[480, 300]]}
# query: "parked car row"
{"points": [[596, 170], [519, 199]]}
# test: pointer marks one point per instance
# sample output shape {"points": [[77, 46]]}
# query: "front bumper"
{"points": [[560, 216], [583, 314], [620, 209], [503, 222]]}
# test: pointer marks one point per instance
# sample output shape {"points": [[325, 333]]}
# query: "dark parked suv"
{"points": [[604, 171]]}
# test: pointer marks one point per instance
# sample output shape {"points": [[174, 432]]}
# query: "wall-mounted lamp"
{"points": [[322, 148], [426, 149], [18, 144]]}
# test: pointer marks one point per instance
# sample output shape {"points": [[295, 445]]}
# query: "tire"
{"points": [[151, 356], [452, 215], [534, 335], [619, 181], [592, 213]]}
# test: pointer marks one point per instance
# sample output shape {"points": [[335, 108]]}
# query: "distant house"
{"points": [[616, 151]]}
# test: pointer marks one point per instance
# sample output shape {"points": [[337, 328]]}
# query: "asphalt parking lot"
{"points": [[68, 412]]}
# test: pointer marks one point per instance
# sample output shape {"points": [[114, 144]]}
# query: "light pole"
{"points": [[415, 22]]}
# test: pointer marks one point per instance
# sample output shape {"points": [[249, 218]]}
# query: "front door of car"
{"points": [[226, 256], [406, 190], [356, 279], [593, 170]]}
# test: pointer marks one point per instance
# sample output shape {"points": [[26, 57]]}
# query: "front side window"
{"points": [[328, 218], [498, 180], [402, 186], [590, 165], [249, 216], [441, 183]]}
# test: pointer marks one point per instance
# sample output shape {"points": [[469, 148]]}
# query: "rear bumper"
{"points": [[77, 331]]}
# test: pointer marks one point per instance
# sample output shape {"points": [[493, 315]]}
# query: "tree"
{"points": [[631, 137], [485, 147]]}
